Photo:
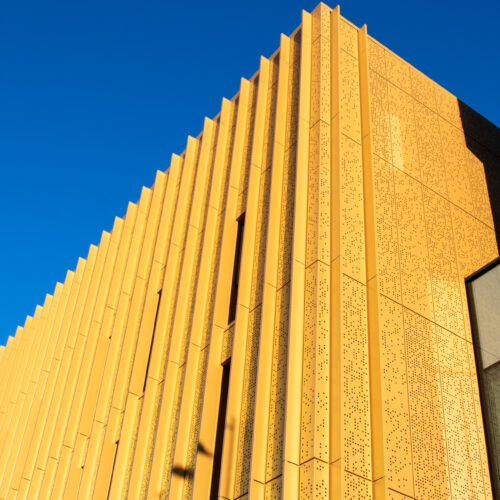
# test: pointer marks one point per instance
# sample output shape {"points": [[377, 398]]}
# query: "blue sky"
{"points": [[96, 96]]}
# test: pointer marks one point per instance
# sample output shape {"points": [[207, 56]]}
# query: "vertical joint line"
{"points": [[376, 412], [152, 341]]}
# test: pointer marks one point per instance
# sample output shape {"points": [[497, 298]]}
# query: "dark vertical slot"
{"points": [[152, 341], [236, 269], [219, 437], [113, 468]]}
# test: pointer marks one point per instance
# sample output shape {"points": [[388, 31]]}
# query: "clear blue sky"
{"points": [[95, 96]]}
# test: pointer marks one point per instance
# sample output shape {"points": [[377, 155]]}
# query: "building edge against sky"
{"points": [[284, 314]]}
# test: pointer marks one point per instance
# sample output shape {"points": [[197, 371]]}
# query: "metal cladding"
{"points": [[352, 370]]}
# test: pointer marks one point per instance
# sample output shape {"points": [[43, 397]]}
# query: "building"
{"points": [[284, 314]]}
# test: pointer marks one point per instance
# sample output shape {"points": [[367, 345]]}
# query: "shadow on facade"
{"points": [[189, 472], [483, 140]]}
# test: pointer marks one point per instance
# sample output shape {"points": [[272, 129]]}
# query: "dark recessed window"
{"points": [[219, 436], [484, 301], [236, 269]]}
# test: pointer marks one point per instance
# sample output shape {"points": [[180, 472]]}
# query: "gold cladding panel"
{"points": [[320, 79], [413, 255], [348, 38], [445, 280], [386, 230], [396, 413], [380, 117], [398, 71], [195, 422], [376, 57], [350, 110], [286, 219], [314, 479], [355, 396], [447, 106], [314, 434], [403, 130], [433, 174], [423, 88], [458, 404], [425, 403], [248, 403], [318, 198], [293, 94], [274, 489], [355, 487], [261, 239], [352, 231], [275, 444]]}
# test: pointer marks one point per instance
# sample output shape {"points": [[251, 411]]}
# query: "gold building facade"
{"points": [[284, 313]]}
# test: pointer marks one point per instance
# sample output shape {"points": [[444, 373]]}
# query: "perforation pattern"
{"points": [[355, 398], [387, 247], [423, 88], [475, 242], [320, 79], [348, 38], [457, 175], [227, 343], [195, 423], [433, 174], [352, 231], [314, 436], [445, 280], [398, 71], [320, 21], [376, 57], [318, 198], [270, 121], [248, 404], [480, 199], [314, 479], [293, 93], [231, 137], [447, 106], [247, 146], [174, 422], [286, 219], [277, 406], [355, 487], [426, 418], [274, 489], [396, 415], [415, 273], [459, 416], [394, 495], [259, 259], [380, 121], [350, 112], [212, 289], [150, 444], [404, 147]]}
